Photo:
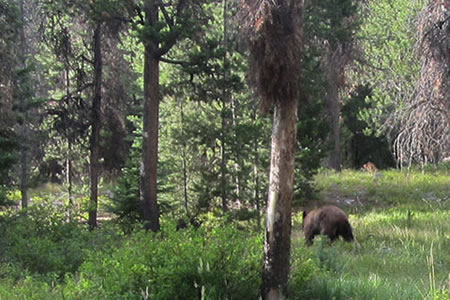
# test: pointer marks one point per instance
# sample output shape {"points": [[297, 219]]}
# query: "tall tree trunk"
{"points": [[69, 151], [24, 131], [184, 162], [256, 193], [150, 209], [24, 168], [69, 179], [96, 124], [334, 109], [152, 56], [278, 224], [223, 158], [225, 99]]}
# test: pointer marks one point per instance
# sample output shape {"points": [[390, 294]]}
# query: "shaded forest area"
{"points": [[222, 118]]}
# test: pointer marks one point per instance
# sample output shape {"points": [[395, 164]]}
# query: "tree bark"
{"points": [[153, 55], [278, 225], [24, 131], [24, 167], [256, 174], [184, 162], [223, 116], [95, 134], [334, 109], [223, 158], [69, 178], [150, 209]]}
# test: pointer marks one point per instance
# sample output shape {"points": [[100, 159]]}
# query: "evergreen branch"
{"points": [[168, 19], [86, 59], [174, 62], [69, 95]]}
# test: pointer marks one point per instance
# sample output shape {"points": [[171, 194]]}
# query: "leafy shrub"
{"points": [[189, 264], [30, 288], [303, 270], [41, 240]]}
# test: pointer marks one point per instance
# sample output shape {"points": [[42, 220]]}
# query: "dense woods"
{"points": [[164, 149]]}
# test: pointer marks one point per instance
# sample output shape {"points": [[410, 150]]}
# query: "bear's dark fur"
{"points": [[181, 223], [328, 220]]}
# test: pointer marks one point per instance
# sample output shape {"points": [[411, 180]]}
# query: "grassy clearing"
{"points": [[388, 188], [402, 224]]}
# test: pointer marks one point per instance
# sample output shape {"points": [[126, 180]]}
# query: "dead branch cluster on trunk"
{"points": [[425, 133], [274, 41]]}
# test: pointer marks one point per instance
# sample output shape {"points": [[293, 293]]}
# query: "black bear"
{"points": [[181, 223], [328, 220]]}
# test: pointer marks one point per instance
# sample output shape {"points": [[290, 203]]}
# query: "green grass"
{"points": [[402, 225], [385, 188]]}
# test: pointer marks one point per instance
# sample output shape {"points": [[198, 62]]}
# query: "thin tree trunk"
{"points": [[223, 160], [24, 168], [256, 173], [184, 162], [225, 100], [256, 190], [96, 124], [150, 209], [69, 152], [185, 188], [238, 163], [278, 224], [23, 129], [70, 179]]}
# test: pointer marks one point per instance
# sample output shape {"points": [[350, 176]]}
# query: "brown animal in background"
{"points": [[328, 220], [370, 167]]}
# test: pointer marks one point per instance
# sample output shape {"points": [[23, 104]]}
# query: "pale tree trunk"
{"points": [[256, 196], [95, 134], [150, 209], [278, 224]]}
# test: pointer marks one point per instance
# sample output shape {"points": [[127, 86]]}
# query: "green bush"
{"points": [[189, 264], [303, 270], [42, 240], [30, 288]]}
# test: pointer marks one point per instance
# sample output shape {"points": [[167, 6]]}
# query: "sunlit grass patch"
{"points": [[387, 188], [402, 228]]}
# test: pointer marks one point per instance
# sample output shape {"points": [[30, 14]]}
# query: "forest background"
{"points": [[78, 94]]}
